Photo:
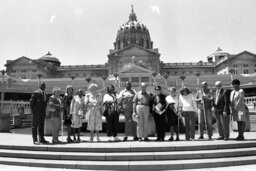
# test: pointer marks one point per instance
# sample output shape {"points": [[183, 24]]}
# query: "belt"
{"points": [[143, 104]]}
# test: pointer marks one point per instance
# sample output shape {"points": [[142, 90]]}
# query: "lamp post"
{"points": [[116, 75], [104, 78], [154, 75], [166, 77], [72, 78], [88, 80], [197, 75], [182, 77], [39, 78], [231, 71], [2, 93]]}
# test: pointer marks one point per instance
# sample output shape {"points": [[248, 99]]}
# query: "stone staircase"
{"points": [[132, 155]]}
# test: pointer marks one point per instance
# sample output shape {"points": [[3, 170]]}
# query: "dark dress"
{"points": [[172, 118], [66, 109]]}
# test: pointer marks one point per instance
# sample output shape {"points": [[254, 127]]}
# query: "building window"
{"points": [[235, 65], [246, 71], [255, 70], [246, 65], [33, 70], [23, 70], [13, 71], [23, 77], [255, 65]]}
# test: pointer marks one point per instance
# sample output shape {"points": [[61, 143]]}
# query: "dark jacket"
{"points": [[161, 100], [38, 103], [223, 102]]}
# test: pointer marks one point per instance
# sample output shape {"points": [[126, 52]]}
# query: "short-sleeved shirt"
{"points": [[142, 98], [126, 98]]}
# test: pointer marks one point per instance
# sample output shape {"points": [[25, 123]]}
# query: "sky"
{"points": [[81, 32]]}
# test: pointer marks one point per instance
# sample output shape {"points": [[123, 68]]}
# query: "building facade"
{"points": [[133, 58]]}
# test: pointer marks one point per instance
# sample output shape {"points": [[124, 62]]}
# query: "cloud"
{"points": [[155, 9], [52, 18]]}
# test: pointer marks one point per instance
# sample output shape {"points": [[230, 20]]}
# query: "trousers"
{"points": [[112, 121], [201, 119], [223, 124], [143, 116]]}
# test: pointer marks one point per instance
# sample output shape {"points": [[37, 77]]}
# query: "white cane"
{"points": [[61, 116], [206, 128]]}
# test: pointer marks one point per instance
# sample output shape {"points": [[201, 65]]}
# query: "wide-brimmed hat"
{"points": [[184, 89]]}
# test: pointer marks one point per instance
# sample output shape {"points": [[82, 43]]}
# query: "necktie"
{"points": [[217, 96]]}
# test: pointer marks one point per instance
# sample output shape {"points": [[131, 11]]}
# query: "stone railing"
{"points": [[11, 107]]}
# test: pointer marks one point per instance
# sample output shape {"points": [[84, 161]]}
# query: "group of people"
{"points": [[138, 109]]}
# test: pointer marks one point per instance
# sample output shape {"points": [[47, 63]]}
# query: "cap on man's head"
{"points": [[158, 88], [218, 83], [204, 82]]}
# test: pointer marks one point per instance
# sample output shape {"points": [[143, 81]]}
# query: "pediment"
{"points": [[22, 61], [133, 68], [245, 56], [135, 50]]}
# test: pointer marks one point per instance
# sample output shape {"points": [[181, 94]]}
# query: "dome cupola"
{"points": [[133, 32], [49, 58]]}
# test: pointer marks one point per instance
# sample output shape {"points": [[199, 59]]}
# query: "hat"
{"points": [[158, 88], [218, 83]]}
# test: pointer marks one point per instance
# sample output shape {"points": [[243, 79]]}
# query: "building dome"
{"points": [[133, 32], [49, 58]]}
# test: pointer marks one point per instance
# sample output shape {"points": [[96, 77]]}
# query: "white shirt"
{"points": [[187, 102]]}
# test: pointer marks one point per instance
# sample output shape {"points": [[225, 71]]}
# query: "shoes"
{"points": [[162, 139], [200, 137], [91, 139], [44, 142], [110, 139], [36, 142], [240, 138], [135, 138], [170, 139], [69, 140], [220, 138], [56, 142], [78, 140], [140, 140], [158, 139], [98, 139], [146, 139], [226, 138], [125, 139], [177, 139], [210, 138], [116, 138]]}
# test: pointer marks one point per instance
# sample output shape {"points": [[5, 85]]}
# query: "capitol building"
{"points": [[134, 58]]}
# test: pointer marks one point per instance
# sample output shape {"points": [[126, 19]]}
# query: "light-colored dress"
{"points": [[94, 108], [237, 105], [76, 109]]}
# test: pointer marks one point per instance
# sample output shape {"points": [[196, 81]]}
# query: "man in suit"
{"points": [[38, 103], [221, 102]]}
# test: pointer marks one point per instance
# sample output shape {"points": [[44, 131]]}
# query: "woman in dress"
{"points": [[111, 114], [76, 110], [188, 106], [66, 110], [238, 108], [93, 103], [55, 114], [172, 112]]}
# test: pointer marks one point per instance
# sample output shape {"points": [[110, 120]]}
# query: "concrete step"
{"points": [[129, 156], [132, 165], [104, 147]]}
